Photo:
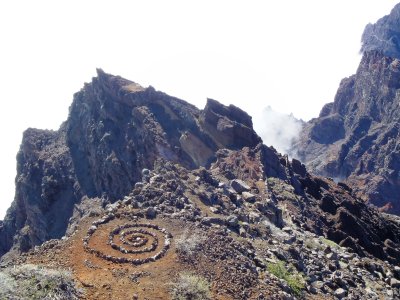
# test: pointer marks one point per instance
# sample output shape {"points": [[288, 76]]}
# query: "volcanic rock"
{"points": [[356, 138]]}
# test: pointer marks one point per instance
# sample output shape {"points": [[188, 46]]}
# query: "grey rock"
{"points": [[248, 197], [254, 217], [139, 185], [232, 221], [212, 220], [394, 283], [332, 256], [151, 213], [340, 293], [239, 186]]}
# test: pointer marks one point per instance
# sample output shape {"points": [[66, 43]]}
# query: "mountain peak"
{"points": [[117, 83], [384, 35]]}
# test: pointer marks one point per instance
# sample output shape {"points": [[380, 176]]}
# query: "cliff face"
{"points": [[356, 138], [115, 129]]}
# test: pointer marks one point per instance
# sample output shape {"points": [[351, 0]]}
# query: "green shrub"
{"points": [[330, 243], [34, 282], [190, 287], [314, 244], [294, 280], [188, 243]]}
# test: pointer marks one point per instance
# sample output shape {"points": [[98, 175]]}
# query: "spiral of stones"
{"points": [[133, 236], [136, 232]]}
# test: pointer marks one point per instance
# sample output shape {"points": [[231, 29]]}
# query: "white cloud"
{"points": [[277, 129]]}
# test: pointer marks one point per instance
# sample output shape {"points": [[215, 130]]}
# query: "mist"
{"points": [[277, 129]]}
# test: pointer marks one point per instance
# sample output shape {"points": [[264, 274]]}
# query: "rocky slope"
{"points": [[115, 129], [356, 138], [252, 226]]}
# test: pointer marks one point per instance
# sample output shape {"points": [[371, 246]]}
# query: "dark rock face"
{"points": [[384, 36], [115, 129], [357, 136], [46, 191]]}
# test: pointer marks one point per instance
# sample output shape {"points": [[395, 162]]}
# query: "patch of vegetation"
{"points": [[294, 280], [34, 282], [190, 287], [314, 244], [188, 243], [281, 189], [329, 243]]}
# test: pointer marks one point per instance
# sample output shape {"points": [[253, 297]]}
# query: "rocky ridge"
{"points": [[115, 129], [138, 188], [355, 138]]}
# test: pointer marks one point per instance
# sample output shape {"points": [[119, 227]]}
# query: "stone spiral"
{"points": [[132, 242]]}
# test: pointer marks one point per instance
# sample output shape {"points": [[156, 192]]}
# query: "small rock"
{"points": [[232, 221], [239, 186], [211, 220], [290, 240], [254, 217], [215, 210], [248, 197], [312, 289], [394, 283], [156, 178], [390, 293], [151, 213], [317, 285], [242, 232], [139, 185], [340, 293], [332, 256]]}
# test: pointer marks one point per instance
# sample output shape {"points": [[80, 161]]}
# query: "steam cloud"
{"points": [[277, 129]]}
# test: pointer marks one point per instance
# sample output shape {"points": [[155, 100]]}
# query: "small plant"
{"points": [[187, 244], [330, 243], [281, 189], [190, 287], [313, 244], [34, 282], [294, 280]]}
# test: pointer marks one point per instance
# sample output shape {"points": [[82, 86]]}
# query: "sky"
{"points": [[289, 55]]}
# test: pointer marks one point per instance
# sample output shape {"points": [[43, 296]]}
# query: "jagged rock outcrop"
{"points": [[384, 35], [356, 138], [115, 129]]}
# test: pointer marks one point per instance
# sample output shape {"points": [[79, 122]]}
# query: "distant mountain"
{"points": [[356, 137]]}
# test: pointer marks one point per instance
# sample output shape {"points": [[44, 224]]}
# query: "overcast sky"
{"points": [[290, 55]]}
